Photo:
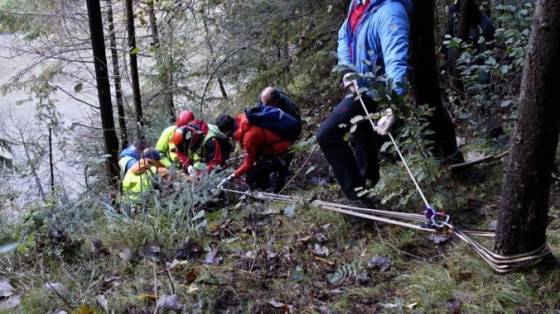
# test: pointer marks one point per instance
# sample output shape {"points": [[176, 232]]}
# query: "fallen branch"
{"points": [[478, 161]]}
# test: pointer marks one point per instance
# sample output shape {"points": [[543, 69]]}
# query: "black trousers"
{"points": [[269, 173], [351, 167]]}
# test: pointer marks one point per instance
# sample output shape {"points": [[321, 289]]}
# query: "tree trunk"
{"points": [[104, 90], [168, 85], [133, 62], [166, 71], [153, 23], [51, 161], [117, 75], [425, 80], [466, 19], [523, 219], [212, 55]]}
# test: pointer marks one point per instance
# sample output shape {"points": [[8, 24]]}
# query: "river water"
{"points": [[17, 116]]}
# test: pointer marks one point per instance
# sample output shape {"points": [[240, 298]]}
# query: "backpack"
{"points": [[276, 120], [286, 104]]}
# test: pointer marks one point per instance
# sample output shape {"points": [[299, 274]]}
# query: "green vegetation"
{"points": [[190, 250]]}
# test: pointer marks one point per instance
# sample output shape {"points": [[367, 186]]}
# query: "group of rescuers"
{"points": [[375, 34]]}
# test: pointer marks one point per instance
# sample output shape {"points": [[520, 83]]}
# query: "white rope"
{"points": [[396, 147], [500, 263]]}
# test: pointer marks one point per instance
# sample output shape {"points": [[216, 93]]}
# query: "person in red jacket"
{"points": [[266, 156]]}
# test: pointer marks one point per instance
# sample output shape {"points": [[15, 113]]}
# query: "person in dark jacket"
{"points": [[216, 146], [266, 156], [374, 35], [188, 140], [273, 96]]}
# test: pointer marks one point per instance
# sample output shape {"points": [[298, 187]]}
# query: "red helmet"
{"points": [[185, 117]]}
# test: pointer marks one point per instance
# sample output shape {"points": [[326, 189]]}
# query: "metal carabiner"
{"points": [[436, 219]]}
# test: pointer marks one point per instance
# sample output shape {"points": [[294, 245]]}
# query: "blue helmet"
{"points": [[150, 153]]}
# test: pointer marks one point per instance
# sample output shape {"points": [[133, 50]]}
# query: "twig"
{"points": [[320, 259], [163, 262], [155, 288], [299, 170], [479, 161]]}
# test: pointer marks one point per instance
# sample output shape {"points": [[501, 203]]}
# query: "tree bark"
{"points": [[525, 194], [117, 75], [104, 90], [467, 14], [425, 80], [133, 61], [208, 40], [166, 74], [51, 161], [153, 23]]}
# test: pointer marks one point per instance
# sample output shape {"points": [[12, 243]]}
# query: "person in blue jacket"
{"points": [[128, 158], [375, 35]]}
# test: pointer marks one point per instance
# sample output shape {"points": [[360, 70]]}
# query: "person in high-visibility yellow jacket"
{"points": [[166, 148], [140, 177]]}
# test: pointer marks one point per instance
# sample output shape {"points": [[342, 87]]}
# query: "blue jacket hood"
{"points": [[130, 151]]}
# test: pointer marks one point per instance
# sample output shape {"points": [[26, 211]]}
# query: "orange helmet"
{"points": [[185, 117], [188, 137]]}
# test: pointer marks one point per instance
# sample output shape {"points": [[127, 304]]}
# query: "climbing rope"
{"points": [[499, 263], [433, 221], [436, 219]]}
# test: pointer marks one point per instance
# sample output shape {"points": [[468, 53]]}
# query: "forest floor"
{"points": [[263, 257]]}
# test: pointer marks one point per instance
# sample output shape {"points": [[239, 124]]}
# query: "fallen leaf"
{"points": [[304, 239], [212, 257], [10, 303], [6, 289], [320, 250], [170, 303], [191, 276], [281, 305], [190, 250], [290, 211], [85, 309], [321, 238], [454, 306], [102, 302], [147, 297], [192, 289], [125, 254], [296, 274], [151, 252], [334, 278], [465, 275], [111, 280], [383, 263], [438, 239], [56, 288]]}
